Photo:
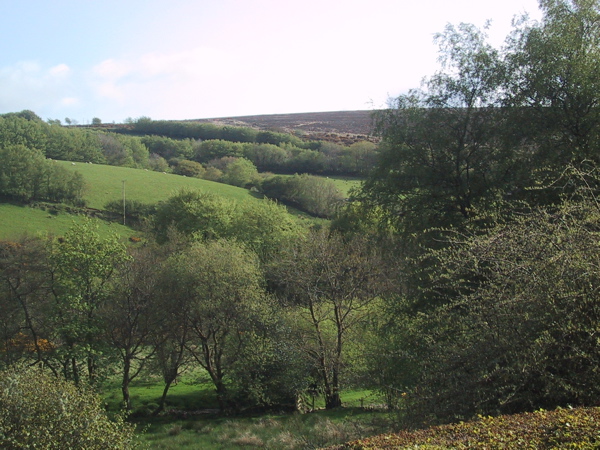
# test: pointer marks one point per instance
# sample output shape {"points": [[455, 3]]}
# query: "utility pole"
{"points": [[123, 202]]}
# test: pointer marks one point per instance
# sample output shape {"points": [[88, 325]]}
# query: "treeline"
{"points": [[243, 164]]}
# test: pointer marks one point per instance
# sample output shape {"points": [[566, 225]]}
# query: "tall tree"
{"points": [[441, 154], [330, 284], [555, 81], [132, 316], [218, 286], [83, 265]]}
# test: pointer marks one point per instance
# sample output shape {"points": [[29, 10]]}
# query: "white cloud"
{"points": [[70, 101], [28, 85], [62, 70]]}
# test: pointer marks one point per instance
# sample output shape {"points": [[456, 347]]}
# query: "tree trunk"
{"points": [[125, 384], [161, 404]]}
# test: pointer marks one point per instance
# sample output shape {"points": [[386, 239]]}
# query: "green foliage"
{"points": [[168, 148], [189, 168], [26, 175], [218, 287], [332, 282], [562, 428], [262, 226], [240, 172], [316, 195], [83, 265], [120, 150], [555, 66], [519, 315], [205, 151], [38, 410], [202, 215]]}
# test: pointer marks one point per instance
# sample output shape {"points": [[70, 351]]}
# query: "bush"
{"points": [[38, 410]]}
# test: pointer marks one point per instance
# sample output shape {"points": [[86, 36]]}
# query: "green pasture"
{"points": [[345, 184], [17, 221], [192, 420], [105, 183]]}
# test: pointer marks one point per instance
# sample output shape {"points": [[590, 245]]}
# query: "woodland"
{"points": [[459, 280]]}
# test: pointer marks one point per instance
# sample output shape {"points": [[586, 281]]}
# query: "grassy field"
{"points": [[16, 221], [105, 183], [344, 184], [192, 420]]}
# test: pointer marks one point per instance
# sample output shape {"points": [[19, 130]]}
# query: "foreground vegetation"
{"points": [[562, 428]]}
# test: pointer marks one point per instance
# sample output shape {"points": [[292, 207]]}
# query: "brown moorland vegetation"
{"points": [[562, 428], [343, 127]]}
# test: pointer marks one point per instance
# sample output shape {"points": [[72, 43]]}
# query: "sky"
{"points": [[194, 59]]}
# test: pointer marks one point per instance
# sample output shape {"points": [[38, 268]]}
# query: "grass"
{"points": [[192, 421], [345, 184], [16, 221], [270, 431], [105, 183]]}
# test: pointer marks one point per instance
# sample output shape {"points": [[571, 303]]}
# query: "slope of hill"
{"points": [[17, 221], [105, 183], [337, 126]]}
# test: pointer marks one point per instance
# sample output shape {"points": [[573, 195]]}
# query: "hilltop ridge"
{"points": [[336, 126]]}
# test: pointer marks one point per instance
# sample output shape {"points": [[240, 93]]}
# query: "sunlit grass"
{"points": [[105, 183], [17, 221]]}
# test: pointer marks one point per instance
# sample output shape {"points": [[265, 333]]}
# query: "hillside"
{"points": [[344, 127], [105, 183]]}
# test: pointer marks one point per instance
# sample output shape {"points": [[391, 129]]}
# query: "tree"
{"points": [[132, 315], [83, 266], [25, 288], [332, 283], [189, 168], [518, 315], [203, 215], [555, 87], [218, 286], [39, 410], [96, 121], [240, 172], [441, 156]]}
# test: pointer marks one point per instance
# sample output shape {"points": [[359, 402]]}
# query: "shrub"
{"points": [[38, 410]]}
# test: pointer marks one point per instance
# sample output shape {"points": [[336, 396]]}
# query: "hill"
{"points": [[344, 127], [105, 183]]}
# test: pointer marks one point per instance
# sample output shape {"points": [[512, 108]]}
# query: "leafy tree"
{"points": [[554, 87], [240, 172], [315, 195], [262, 227], [168, 148], [205, 151], [203, 215], [219, 286], [516, 329], [15, 130], [39, 410], [189, 168], [132, 314], [25, 287], [83, 265], [442, 156], [158, 163], [267, 157], [333, 283], [21, 172]]}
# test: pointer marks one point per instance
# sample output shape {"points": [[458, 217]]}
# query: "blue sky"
{"points": [[184, 59]]}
